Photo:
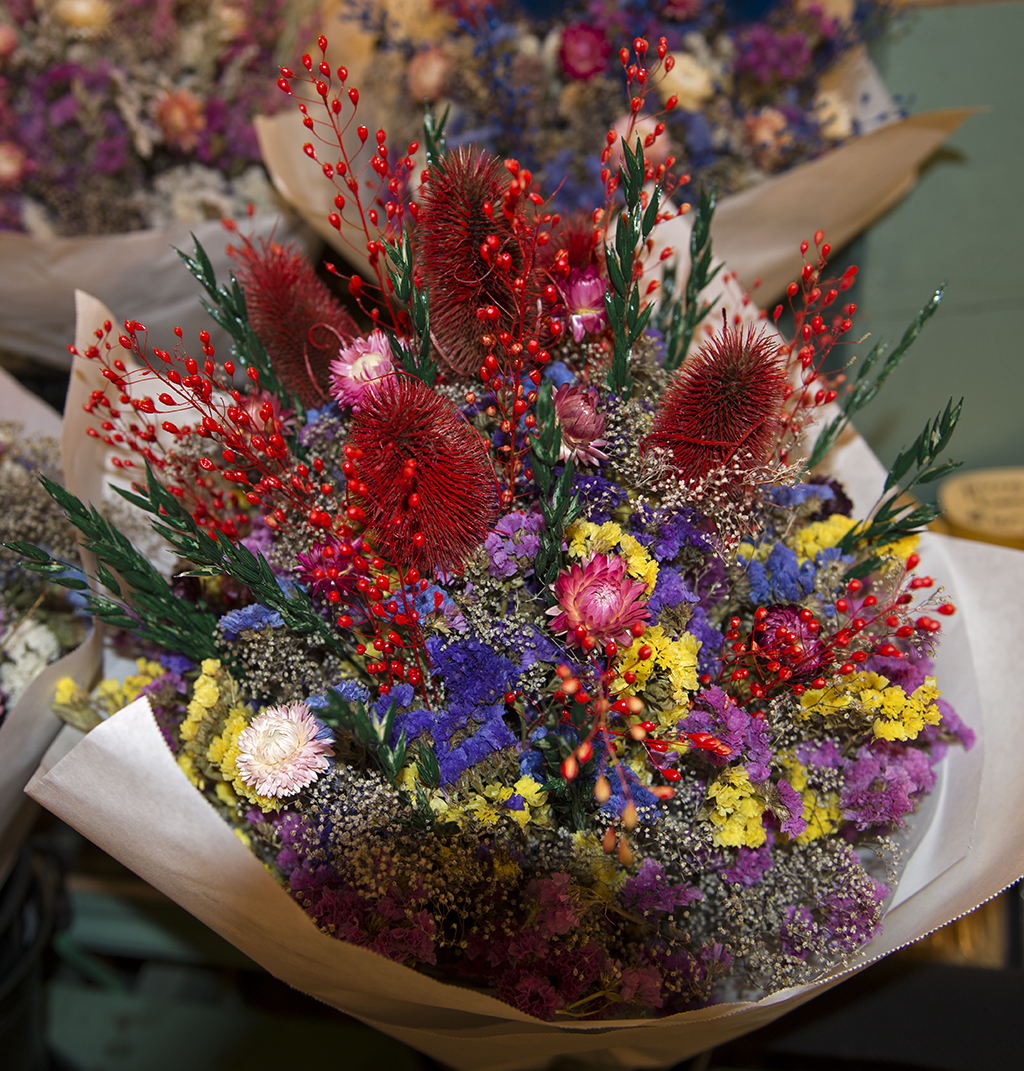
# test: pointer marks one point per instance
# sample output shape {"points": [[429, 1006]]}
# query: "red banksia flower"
{"points": [[285, 300], [423, 474], [452, 227], [722, 406]]}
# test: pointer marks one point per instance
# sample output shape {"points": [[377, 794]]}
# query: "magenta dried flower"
{"points": [[585, 51], [598, 602], [584, 299], [360, 364], [581, 424]]}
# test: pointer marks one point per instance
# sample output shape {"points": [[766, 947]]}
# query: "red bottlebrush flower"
{"points": [[294, 315], [722, 406], [452, 228], [424, 475]]}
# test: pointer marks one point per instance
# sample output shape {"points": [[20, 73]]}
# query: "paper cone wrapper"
{"points": [[30, 727], [756, 231], [138, 271], [121, 787]]}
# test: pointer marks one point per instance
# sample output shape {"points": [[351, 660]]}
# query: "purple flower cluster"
{"points": [[773, 57], [512, 544]]}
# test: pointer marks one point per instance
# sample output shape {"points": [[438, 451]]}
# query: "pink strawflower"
{"points": [[585, 51], [359, 364], [284, 749], [181, 120], [584, 298], [598, 602], [581, 424]]}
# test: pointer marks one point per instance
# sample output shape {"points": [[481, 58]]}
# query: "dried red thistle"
{"points": [[453, 225], [423, 474], [575, 244], [723, 406], [294, 315]]}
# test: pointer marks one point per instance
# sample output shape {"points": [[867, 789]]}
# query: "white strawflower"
{"points": [[284, 749]]}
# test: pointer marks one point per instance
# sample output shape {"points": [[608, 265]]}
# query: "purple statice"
{"points": [[254, 617], [260, 538], [512, 544], [641, 985], [174, 663], [799, 933], [781, 578], [554, 900], [749, 866], [715, 712], [599, 497], [773, 57], [680, 529], [851, 912], [790, 809], [530, 992], [648, 892], [670, 589], [825, 753], [168, 699], [881, 783], [559, 373]]}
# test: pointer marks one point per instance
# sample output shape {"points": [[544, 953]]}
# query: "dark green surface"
{"points": [[962, 224]]}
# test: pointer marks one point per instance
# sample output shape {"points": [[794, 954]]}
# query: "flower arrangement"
{"points": [[119, 114], [742, 93], [38, 621], [531, 653]]}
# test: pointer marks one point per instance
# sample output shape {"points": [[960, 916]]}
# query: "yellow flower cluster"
{"points": [[821, 811], [678, 658], [736, 818], [586, 538], [820, 535], [898, 716], [214, 721], [488, 807], [77, 707]]}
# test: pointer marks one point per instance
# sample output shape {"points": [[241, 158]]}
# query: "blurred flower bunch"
{"points": [[121, 114], [742, 96], [554, 665], [39, 620]]}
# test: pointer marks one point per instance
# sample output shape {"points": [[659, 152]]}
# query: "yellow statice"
{"points": [[85, 711], [490, 807], [901, 549], [896, 715], [820, 535], [737, 813], [677, 658], [586, 538], [821, 810]]}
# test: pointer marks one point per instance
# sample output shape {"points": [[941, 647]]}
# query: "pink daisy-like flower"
{"points": [[598, 602], [359, 364], [584, 298], [284, 749], [581, 424]]}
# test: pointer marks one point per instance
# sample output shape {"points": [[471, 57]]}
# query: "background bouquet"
{"points": [[126, 118], [620, 711], [760, 102]]}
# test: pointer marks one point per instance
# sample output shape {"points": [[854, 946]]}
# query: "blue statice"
{"points": [[559, 374], [351, 691], [254, 617], [600, 497], [670, 589], [476, 680], [791, 497], [781, 578], [709, 657], [646, 803]]}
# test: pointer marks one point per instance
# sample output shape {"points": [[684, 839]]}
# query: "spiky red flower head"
{"points": [[286, 300], [722, 407], [423, 474], [452, 227]]}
